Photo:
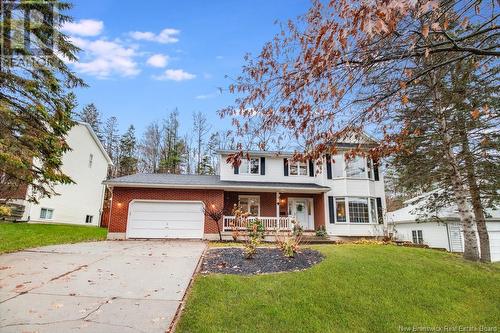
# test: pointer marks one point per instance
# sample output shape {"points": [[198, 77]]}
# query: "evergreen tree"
{"points": [[205, 167], [91, 115], [111, 143], [128, 160], [173, 150], [35, 102]]}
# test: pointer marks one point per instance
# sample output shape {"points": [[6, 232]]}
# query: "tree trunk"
{"points": [[471, 251], [477, 206]]}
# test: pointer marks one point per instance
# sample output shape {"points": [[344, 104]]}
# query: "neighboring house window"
{"points": [[46, 213], [340, 211], [417, 236], [373, 210], [251, 166], [91, 160], [250, 204], [89, 218], [298, 169], [355, 168], [358, 210]]}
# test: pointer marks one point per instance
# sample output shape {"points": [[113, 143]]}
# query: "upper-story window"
{"points": [[91, 160], [250, 166], [298, 169], [355, 168]]}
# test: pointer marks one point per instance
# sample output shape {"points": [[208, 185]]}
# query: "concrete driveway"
{"points": [[113, 286]]}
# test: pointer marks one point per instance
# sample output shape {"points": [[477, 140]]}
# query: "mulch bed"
{"points": [[266, 260]]}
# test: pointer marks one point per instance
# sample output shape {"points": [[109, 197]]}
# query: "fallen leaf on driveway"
{"points": [[57, 305], [4, 267]]}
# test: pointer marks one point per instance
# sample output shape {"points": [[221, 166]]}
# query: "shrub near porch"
{"points": [[360, 288]]}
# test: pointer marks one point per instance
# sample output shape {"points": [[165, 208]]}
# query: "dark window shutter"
{"points": [[380, 211], [328, 167], [262, 165], [331, 210], [285, 166], [236, 169], [375, 170], [311, 168]]}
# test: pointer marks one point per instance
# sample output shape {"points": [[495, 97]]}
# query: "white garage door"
{"points": [[494, 245], [163, 219]]}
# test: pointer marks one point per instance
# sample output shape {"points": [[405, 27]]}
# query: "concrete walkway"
{"points": [[113, 286]]}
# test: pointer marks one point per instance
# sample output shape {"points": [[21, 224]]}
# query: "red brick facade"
{"points": [[122, 196]]}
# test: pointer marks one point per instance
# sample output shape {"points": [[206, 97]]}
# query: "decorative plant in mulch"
{"points": [[289, 242], [266, 260], [255, 235]]}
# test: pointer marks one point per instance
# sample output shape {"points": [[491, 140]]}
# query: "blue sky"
{"points": [[142, 59]]}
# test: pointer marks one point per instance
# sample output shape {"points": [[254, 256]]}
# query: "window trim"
{"points": [[297, 164], [348, 215], [417, 235], [242, 171], [248, 197], [47, 210]]}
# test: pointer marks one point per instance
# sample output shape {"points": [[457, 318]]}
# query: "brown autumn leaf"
{"points": [[475, 114], [425, 31], [404, 99]]}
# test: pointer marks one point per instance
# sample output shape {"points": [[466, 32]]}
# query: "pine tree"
{"points": [[91, 116], [128, 160], [36, 104], [173, 150]]}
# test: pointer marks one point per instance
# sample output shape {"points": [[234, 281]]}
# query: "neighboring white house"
{"points": [[80, 203], [345, 198], [442, 230]]}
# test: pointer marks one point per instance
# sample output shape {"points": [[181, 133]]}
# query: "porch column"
{"points": [[277, 204]]}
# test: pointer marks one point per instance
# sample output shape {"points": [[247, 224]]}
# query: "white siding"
{"points": [[339, 187], [434, 233], [76, 201]]}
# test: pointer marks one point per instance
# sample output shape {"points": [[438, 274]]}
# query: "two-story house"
{"points": [[77, 203], [345, 197]]}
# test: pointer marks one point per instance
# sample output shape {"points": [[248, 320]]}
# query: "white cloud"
{"points": [[175, 75], [104, 58], [158, 60], [207, 96], [219, 57], [83, 27], [166, 36]]}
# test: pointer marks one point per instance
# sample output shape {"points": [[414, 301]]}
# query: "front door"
{"points": [[299, 209]]}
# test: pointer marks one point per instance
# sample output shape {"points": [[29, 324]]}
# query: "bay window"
{"points": [[250, 166], [298, 169], [356, 210], [340, 212], [250, 204], [355, 168]]}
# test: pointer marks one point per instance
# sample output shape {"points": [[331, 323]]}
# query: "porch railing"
{"points": [[270, 223]]}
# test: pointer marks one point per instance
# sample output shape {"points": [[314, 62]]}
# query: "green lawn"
{"points": [[357, 288], [18, 236]]}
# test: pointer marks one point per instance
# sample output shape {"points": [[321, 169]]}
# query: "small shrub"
{"points": [[5, 210], [288, 243], [297, 229], [255, 235], [321, 232]]}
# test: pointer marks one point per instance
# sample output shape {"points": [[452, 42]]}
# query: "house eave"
{"points": [[225, 187]]}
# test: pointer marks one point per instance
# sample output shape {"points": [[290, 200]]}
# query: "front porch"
{"points": [[276, 210]]}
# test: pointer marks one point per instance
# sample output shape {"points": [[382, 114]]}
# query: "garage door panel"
{"points": [[163, 216], [165, 220]]}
